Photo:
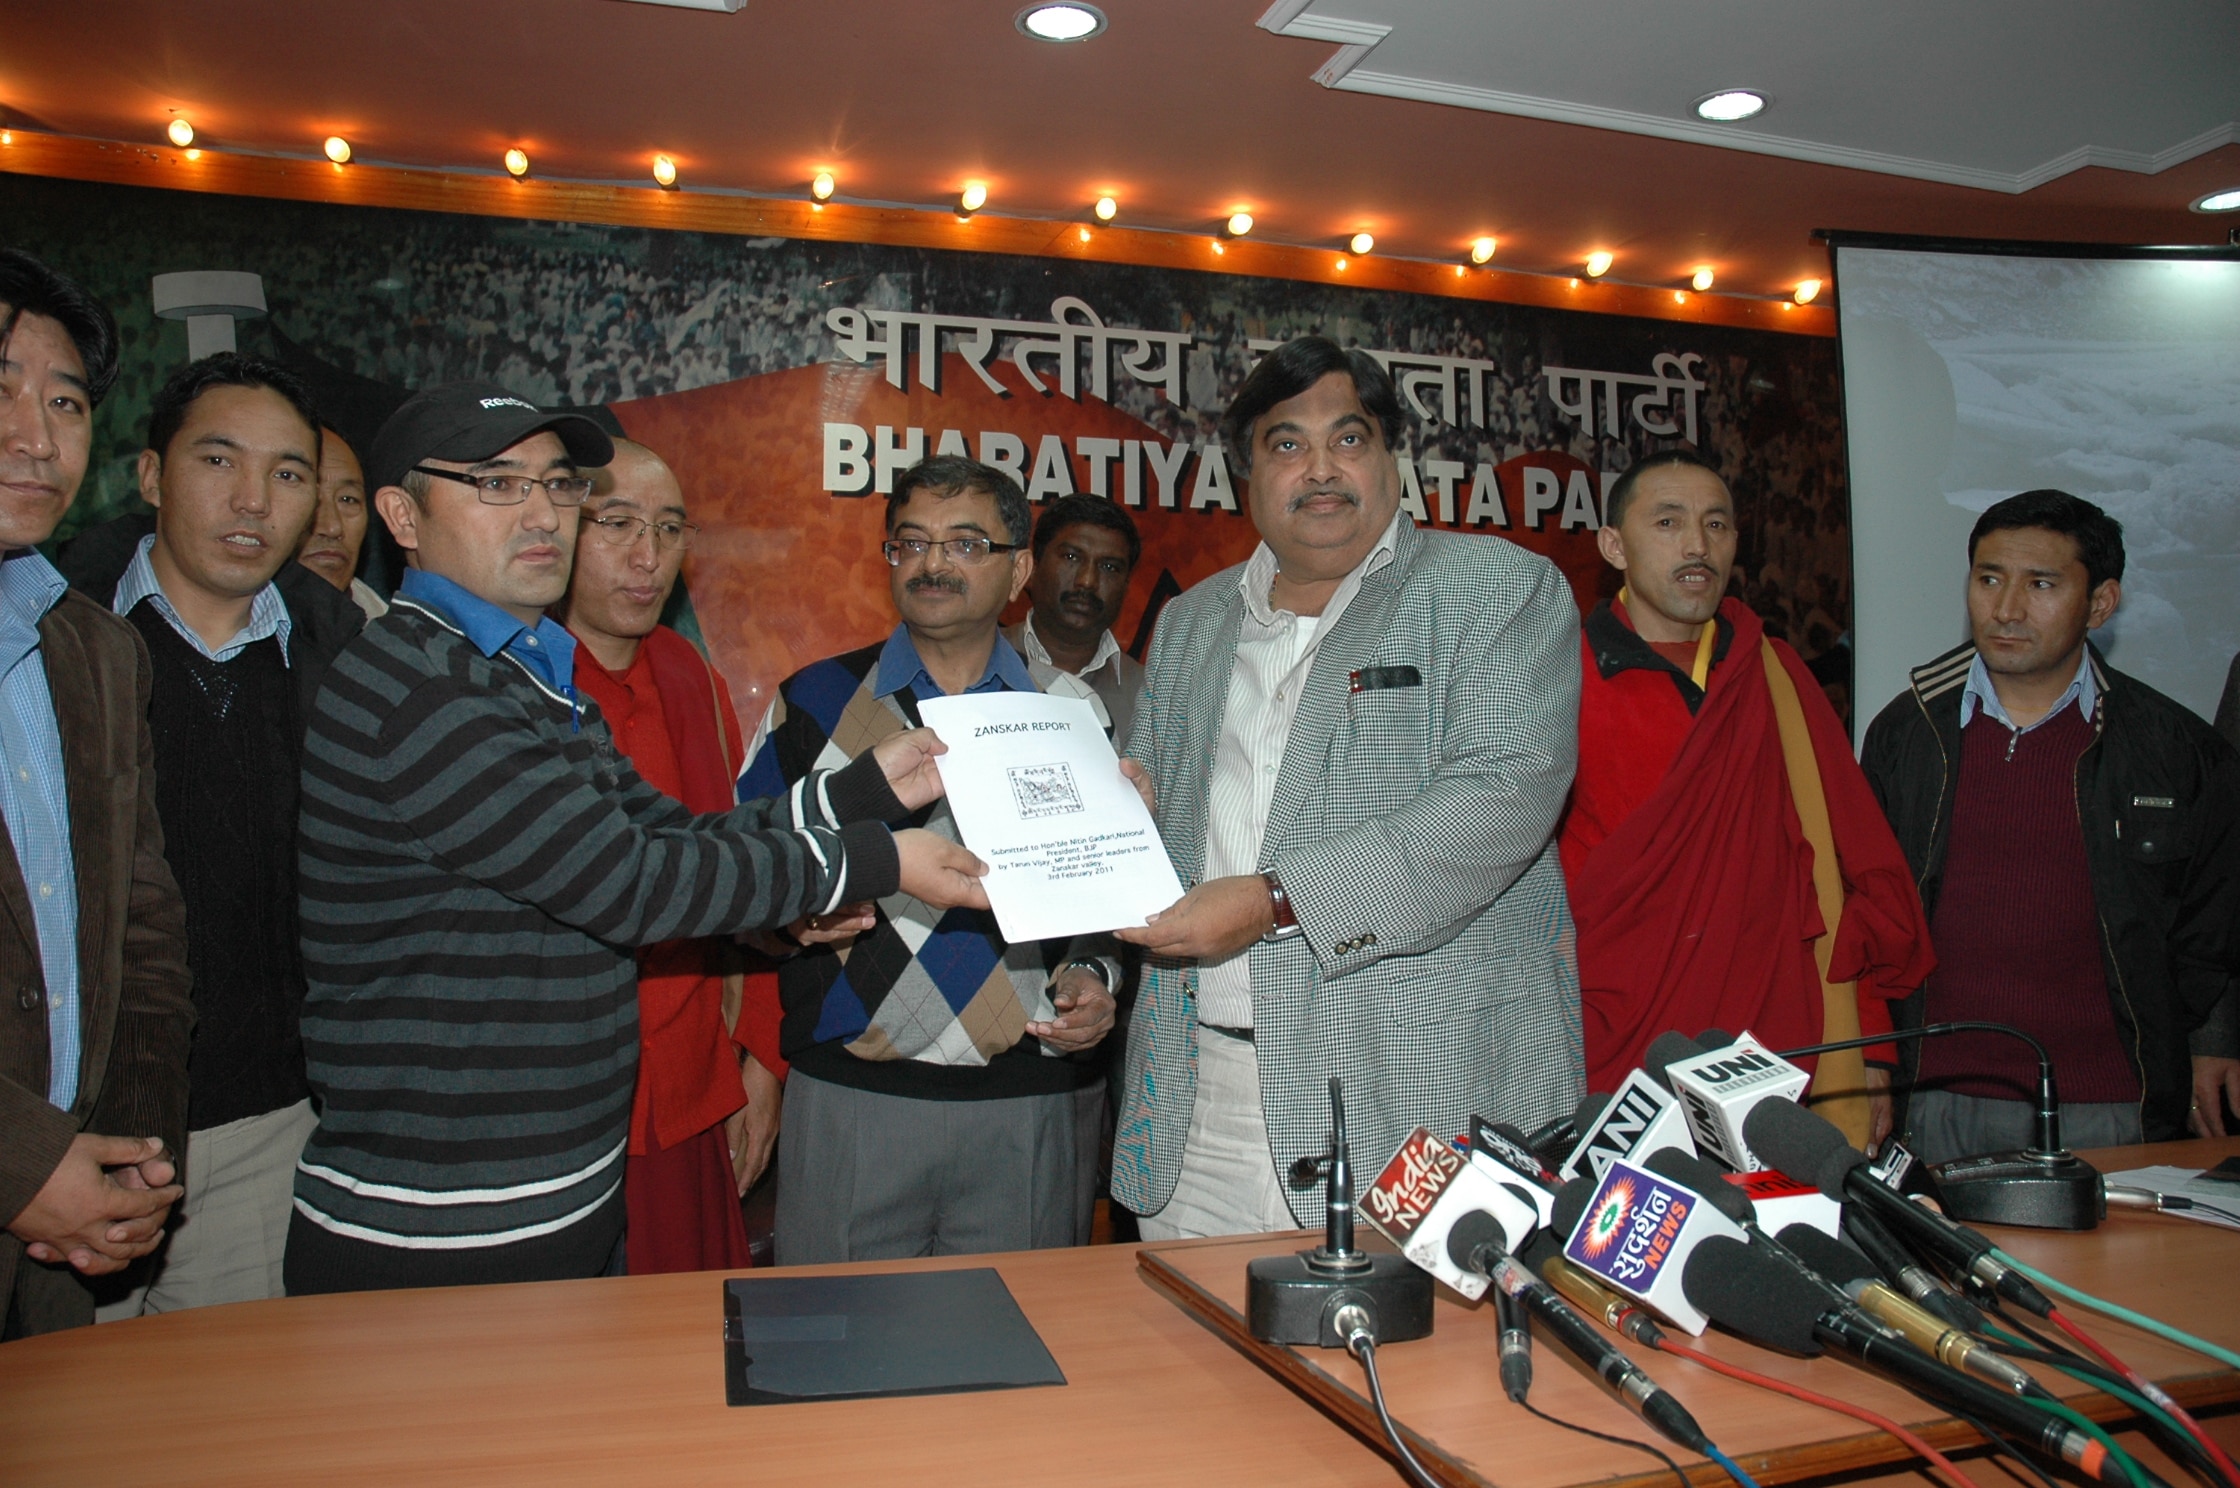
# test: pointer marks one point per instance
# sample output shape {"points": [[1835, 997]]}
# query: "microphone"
{"points": [[1720, 1086], [2043, 1186], [1856, 1276], [1807, 1148], [1516, 1346], [1754, 1294], [1544, 1254], [1506, 1156], [1425, 1190], [1635, 1234], [1640, 1118], [1475, 1244], [1925, 1287]]}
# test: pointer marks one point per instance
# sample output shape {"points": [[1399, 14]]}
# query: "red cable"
{"points": [[1936, 1459], [2152, 1391]]}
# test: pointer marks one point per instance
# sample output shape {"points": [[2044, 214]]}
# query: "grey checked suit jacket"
{"points": [[1410, 827]]}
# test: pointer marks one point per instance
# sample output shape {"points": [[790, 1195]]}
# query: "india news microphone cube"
{"points": [[1422, 1192], [1636, 1235]]}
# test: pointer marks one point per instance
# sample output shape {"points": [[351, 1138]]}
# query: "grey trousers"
{"points": [[865, 1177], [1941, 1126]]}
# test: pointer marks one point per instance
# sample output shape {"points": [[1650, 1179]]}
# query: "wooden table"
{"points": [[1445, 1392], [621, 1381]]}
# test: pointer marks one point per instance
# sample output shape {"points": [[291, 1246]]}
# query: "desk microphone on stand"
{"points": [[2044, 1186], [1297, 1299]]}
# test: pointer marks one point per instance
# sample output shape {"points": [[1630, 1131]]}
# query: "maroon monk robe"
{"points": [[1690, 876]]}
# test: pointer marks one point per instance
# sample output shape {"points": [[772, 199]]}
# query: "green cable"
{"points": [[2091, 1428], [2137, 1319], [2100, 1382]]}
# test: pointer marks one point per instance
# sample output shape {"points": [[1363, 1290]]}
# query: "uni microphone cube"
{"points": [[1636, 1236], [1642, 1117], [1718, 1088]]}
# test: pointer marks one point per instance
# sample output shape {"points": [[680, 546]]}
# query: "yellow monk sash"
{"points": [[1700, 673], [1839, 1083]]}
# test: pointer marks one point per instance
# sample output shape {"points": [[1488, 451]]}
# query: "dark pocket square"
{"points": [[1377, 679]]}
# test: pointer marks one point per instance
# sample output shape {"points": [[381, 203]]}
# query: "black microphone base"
{"points": [[1287, 1300], [2038, 1190]]}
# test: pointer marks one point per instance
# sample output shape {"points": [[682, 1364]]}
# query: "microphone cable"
{"points": [[2177, 1336], [2154, 1392], [1638, 1446], [1352, 1324], [2174, 1436], [1937, 1460]]}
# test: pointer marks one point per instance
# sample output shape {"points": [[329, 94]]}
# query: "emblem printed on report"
{"points": [[1044, 790]]}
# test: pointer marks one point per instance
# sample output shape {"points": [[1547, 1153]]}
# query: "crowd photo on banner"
{"points": [[474, 811]]}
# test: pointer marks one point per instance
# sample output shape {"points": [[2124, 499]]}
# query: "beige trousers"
{"points": [[1228, 1184]]}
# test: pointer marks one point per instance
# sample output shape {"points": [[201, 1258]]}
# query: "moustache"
{"points": [[1349, 497], [1695, 568], [929, 581]]}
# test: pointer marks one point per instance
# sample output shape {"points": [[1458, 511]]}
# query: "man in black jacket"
{"points": [[2076, 837], [240, 636]]}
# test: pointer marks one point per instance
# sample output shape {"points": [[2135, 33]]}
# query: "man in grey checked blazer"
{"points": [[1360, 740]]}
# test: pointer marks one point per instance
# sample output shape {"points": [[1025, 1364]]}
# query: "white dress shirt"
{"points": [[1275, 651]]}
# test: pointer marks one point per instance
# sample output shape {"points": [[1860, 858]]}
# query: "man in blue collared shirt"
{"points": [[230, 467], [942, 1098], [93, 1037]]}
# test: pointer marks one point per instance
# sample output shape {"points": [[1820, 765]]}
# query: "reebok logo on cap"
{"points": [[508, 403]]}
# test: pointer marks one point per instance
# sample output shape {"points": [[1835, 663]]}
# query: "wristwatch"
{"points": [[1095, 964], [1287, 923]]}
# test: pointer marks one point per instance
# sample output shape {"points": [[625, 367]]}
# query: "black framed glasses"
{"points": [[622, 530], [965, 551], [512, 490]]}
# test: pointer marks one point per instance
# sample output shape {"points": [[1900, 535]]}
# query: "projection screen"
{"points": [[1974, 371]]}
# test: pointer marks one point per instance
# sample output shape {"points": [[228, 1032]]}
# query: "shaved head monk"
{"points": [[1728, 866]]}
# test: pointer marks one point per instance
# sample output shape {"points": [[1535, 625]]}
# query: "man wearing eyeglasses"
{"points": [[476, 860], [943, 1098], [239, 638], [706, 1113]]}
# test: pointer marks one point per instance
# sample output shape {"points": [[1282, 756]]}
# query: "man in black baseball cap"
{"points": [[477, 861]]}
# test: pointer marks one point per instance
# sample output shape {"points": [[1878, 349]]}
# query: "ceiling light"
{"points": [[973, 197], [664, 172], [1598, 263], [338, 149], [1702, 278], [1808, 290], [1239, 224], [1107, 208], [1361, 243], [182, 133], [1061, 22], [1730, 105], [2219, 201], [822, 186], [1481, 250], [517, 162]]}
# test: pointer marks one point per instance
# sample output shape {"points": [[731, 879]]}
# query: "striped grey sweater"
{"points": [[477, 861]]}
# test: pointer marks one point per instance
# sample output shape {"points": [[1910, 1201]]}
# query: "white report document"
{"points": [[1038, 796]]}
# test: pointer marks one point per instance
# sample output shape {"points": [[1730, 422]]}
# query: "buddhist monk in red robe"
{"points": [[708, 1097], [1709, 763]]}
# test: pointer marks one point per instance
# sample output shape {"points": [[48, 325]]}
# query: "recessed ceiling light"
{"points": [[664, 172], [1061, 22], [973, 197], [517, 162], [1808, 290], [1482, 249], [337, 148], [1598, 263], [1107, 208], [1730, 105], [821, 186], [1239, 224], [1703, 278], [182, 133], [1362, 244], [2219, 201]]}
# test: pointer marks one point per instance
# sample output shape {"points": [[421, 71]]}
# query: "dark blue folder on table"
{"points": [[794, 1338]]}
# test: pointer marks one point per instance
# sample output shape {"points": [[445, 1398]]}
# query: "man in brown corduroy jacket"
{"points": [[94, 1014]]}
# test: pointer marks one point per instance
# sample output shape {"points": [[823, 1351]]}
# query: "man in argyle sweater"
{"points": [[942, 1100]]}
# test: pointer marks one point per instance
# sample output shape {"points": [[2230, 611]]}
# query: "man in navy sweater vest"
{"points": [[2076, 836]]}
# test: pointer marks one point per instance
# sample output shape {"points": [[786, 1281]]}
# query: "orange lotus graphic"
{"points": [[1607, 1220]]}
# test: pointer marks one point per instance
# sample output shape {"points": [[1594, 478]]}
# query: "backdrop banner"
{"points": [[788, 382]]}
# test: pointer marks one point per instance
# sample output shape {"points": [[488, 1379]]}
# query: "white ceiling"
{"points": [[2002, 95]]}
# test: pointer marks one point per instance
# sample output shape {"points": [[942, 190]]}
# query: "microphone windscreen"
{"points": [[1713, 1038], [1544, 1246], [1668, 1049], [1589, 1110], [1829, 1256], [1471, 1231], [1571, 1205], [1741, 1288], [1706, 1178], [1801, 1144]]}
